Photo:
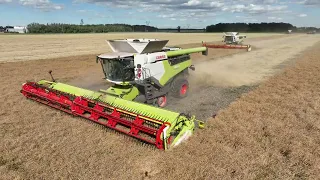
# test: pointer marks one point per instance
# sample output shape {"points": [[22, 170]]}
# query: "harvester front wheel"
{"points": [[161, 101], [180, 88]]}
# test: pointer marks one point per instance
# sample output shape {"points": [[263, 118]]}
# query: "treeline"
{"points": [[250, 27], [307, 29], [221, 27], [94, 28]]}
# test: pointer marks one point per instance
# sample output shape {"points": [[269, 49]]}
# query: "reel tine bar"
{"points": [[135, 125]]}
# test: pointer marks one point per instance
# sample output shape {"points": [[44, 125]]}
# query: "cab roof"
{"points": [[115, 55]]}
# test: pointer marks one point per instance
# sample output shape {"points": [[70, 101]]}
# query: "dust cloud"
{"points": [[91, 79], [209, 74]]}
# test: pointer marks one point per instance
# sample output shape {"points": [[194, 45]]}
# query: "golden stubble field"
{"points": [[270, 133], [33, 47]]}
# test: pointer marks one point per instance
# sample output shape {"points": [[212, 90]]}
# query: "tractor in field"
{"points": [[232, 40], [143, 72], [146, 71]]}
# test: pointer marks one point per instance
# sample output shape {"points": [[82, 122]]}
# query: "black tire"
{"points": [[180, 88]]}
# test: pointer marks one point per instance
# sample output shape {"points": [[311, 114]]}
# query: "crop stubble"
{"points": [[270, 132], [34, 47]]}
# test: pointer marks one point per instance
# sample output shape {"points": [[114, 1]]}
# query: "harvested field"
{"points": [[269, 133], [249, 69], [220, 79], [34, 47]]}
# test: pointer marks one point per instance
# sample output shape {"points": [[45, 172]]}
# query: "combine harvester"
{"points": [[232, 41], [143, 72]]}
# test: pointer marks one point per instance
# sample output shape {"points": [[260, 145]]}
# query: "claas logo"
{"points": [[161, 57]]}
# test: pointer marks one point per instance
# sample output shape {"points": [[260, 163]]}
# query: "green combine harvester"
{"points": [[144, 73]]}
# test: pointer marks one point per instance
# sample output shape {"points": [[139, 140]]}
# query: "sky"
{"points": [[160, 13]]}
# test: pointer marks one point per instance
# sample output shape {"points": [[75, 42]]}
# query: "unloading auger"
{"points": [[137, 118]]}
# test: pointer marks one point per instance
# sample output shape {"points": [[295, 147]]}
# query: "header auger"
{"points": [[143, 73]]}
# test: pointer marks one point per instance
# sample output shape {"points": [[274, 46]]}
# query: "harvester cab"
{"points": [[146, 71], [139, 69]]}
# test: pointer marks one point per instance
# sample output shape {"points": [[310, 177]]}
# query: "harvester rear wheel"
{"points": [[180, 88]]}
